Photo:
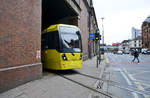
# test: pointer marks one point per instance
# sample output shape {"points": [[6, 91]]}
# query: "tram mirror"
{"points": [[78, 33]]}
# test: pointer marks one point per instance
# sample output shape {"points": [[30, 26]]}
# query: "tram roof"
{"points": [[56, 27]]}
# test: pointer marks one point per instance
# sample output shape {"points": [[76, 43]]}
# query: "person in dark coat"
{"points": [[136, 55]]}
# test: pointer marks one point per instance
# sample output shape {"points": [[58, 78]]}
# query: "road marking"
{"points": [[146, 96], [139, 82], [126, 78], [128, 81], [127, 63], [140, 73], [125, 71], [139, 86], [147, 86], [135, 95], [144, 83], [131, 77]]}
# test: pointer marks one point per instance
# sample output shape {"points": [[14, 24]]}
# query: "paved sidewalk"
{"points": [[55, 86]]}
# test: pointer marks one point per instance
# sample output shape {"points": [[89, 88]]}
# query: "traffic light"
{"points": [[97, 36]]}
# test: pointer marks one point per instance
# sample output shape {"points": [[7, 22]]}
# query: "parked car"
{"points": [[120, 52], [115, 51], [145, 51], [126, 52]]}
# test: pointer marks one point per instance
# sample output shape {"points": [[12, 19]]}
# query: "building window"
{"points": [[91, 3], [89, 21], [148, 24]]}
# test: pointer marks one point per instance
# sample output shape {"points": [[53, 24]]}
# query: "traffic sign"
{"points": [[91, 35]]}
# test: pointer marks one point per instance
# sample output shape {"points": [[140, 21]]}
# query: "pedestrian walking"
{"points": [[136, 55]]}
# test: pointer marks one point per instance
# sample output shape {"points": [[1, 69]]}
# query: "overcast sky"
{"points": [[120, 16]]}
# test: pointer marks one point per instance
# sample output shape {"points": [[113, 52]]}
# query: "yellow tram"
{"points": [[62, 47]]}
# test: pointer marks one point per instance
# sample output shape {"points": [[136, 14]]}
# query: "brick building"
{"points": [[21, 23], [20, 42], [146, 33], [87, 23]]}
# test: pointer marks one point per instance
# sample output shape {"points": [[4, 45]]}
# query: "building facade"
{"points": [[135, 44], [125, 46], [88, 24], [146, 33], [20, 42], [21, 24], [136, 33]]}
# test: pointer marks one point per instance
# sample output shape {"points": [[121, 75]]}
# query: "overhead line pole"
{"points": [[102, 31]]}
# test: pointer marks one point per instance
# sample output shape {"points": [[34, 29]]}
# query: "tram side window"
{"points": [[44, 41], [53, 40], [50, 40]]}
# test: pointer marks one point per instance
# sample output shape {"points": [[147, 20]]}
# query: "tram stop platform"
{"points": [[78, 83]]}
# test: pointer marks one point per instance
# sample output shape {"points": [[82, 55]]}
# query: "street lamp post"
{"points": [[102, 31], [135, 40]]}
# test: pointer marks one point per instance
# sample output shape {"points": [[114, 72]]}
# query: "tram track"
{"points": [[66, 74], [117, 84], [88, 87]]}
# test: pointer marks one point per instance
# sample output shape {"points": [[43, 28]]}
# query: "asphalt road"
{"points": [[128, 79]]}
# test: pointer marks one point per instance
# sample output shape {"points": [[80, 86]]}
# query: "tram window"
{"points": [[71, 39], [44, 41], [53, 40], [71, 42], [50, 40]]}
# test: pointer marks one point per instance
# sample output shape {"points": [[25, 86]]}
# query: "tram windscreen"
{"points": [[71, 39]]}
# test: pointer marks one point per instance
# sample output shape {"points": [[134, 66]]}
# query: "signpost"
{"points": [[97, 37]]}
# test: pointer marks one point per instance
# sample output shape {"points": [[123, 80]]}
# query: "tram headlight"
{"points": [[81, 57], [64, 57]]}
